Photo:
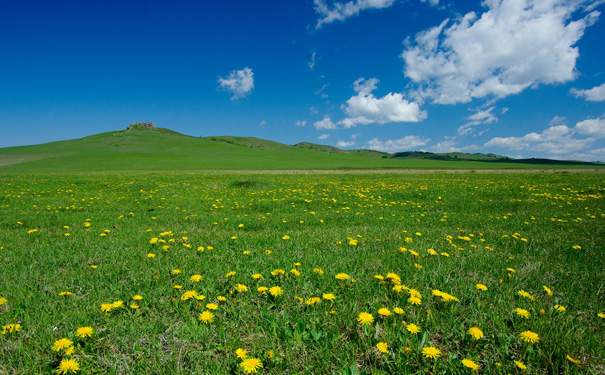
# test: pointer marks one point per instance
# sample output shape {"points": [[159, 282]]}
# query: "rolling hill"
{"points": [[140, 148]]}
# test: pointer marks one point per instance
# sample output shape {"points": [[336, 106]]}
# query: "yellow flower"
{"points": [[262, 289], [475, 333], [106, 307], [522, 312], [250, 365], [601, 315], [511, 270], [431, 352], [413, 328], [276, 291], [241, 288], [221, 298], [365, 318], [65, 294], [206, 317], [573, 360], [62, 344], [398, 310], [188, 295], [481, 287], [329, 296], [547, 290], [342, 276], [318, 271], [151, 255], [313, 301], [560, 308], [195, 278], [384, 312], [175, 272], [84, 332], [529, 336], [257, 276], [11, 328], [229, 274], [133, 306], [278, 272], [241, 353], [286, 237], [3, 301], [382, 347], [117, 304], [415, 301], [470, 364], [295, 272], [521, 365], [137, 297], [68, 365], [211, 306]]}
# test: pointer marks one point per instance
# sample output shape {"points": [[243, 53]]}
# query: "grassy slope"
{"points": [[162, 149]]}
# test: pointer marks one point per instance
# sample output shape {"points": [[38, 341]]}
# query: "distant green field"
{"points": [[218, 273], [165, 150]]}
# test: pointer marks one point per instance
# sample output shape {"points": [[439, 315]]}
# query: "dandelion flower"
{"points": [[470, 364], [229, 274], [431, 352], [318, 271], [250, 365], [62, 344], [521, 365], [3, 301], [11, 328], [188, 295], [384, 312], [413, 328], [398, 310], [65, 293], [278, 272], [117, 304], [529, 336], [522, 312], [560, 308], [573, 360], [415, 301], [262, 289], [206, 317], [257, 276], [365, 318], [601, 315], [241, 353], [241, 288], [342, 276], [106, 307], [382, 347], [475, 333], [175, 272], [329, 296], [151, 255], [221, 298], [211, 306], [84, 332], [313, 301], [547, 290], [137, 297], [195, 278], [68, 366], [481, 287]]}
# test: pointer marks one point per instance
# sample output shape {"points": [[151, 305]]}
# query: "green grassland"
{"points": [[107, 237], [158, 149]]}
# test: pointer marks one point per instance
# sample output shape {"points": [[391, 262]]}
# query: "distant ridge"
{"points": [[146, 147]]}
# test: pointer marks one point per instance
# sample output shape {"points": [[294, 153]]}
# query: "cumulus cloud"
{"points": [[324, 136], [364, 108], [595, 94], [407, 143], [556, 139], [325, 123], [301, 123], [341, 11], [239, 82], [345, 143], [480, 117], [513, 45], [432, 2]]}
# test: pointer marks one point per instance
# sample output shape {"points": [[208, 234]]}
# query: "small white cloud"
{"points": [[513, 45], [557, 120], [320, 91], [324, 136], [480, 117], [239, 82], [364, 108], [407, 143], [345, 144], [263, 123], [342, 11], [445, 146], [312, 61], [301, 123], [432, 2], [595, 94], [594, 127], [325, 123]]}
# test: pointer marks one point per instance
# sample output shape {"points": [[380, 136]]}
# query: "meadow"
{"points": [[222, 273]]}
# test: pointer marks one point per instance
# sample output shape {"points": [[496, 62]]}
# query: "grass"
{"points": [[107, 237], [165, 150]]}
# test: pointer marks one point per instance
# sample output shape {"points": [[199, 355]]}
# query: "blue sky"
{"points": [[522, 78]]}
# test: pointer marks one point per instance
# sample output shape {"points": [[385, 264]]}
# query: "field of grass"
{"points": [[177, 273], [164, 150]]}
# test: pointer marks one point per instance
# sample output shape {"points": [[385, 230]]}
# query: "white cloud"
{"points": [[432, 2], [263, 123], [407, 143], [345, 144], [480, 117], [341, 11], [301, 123], [239, 82], [364, 108], [513, 45], [595, 94], [325, 123], [445, 146], [592, 155], [312, 61], [594, 127], [324, 136]]}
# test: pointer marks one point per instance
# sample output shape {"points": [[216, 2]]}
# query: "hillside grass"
{"points": [[75, 244]]}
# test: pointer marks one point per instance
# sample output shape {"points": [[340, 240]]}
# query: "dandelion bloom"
{"points": [[286, 237], [573, 360], [470, 364], [482, 287], [276, 291], [511, 270], [415, 301], [241, 288], [3, 301], [137, 297], [384, 311], [151, 255], [195, 278], [278, 272], [257, 276], [601, 315], [329, 296], [206, 317], [10, 328], [188, 295], [221, 298], [522, 312], [241, 353], [475, 333], [250, 365], [106, 307], [521, 365], [382, 347], [547, 290], [65, 293], [413, 328], [68, 365], [529, 336], [560, 308], [262, 289], [431, 352], [295, 272], [318, 271], [175, 272], [117, 304], [313, 300], [211, 306], [62, 344], [84, 332], [398, 310], [342, 276], [365, 318], [229, 274], [415, 293]]}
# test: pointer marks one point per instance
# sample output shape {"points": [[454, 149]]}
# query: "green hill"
{"points": [[141, 148]]}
